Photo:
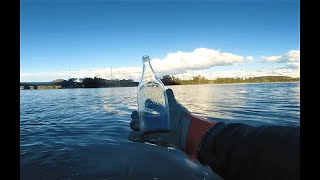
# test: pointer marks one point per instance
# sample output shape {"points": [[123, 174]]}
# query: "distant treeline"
{"points": [[172, 80], [95, 83], [167, 80]]}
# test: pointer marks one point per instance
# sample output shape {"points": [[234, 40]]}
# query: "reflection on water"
{"points": [[254, 104], [82, 133]]}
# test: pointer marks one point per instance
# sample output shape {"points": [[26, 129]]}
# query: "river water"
{"points": [[82, 133]]}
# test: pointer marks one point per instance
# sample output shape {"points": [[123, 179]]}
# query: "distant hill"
{"points": [[58, 80], [172, 80]]}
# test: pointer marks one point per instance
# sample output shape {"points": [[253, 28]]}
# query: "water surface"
{"points": [[82, 133]]}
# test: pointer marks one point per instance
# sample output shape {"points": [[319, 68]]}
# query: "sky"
{"points": [[213, 38]]}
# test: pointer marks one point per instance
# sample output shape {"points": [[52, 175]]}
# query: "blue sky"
{"points": [[91, 36]]}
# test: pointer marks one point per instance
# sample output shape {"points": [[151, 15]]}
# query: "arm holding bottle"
{"points": [[234, 151]]}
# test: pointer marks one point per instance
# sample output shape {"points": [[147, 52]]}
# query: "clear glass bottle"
{"points": [[153, 104]]}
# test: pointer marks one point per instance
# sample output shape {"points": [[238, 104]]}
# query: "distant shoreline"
{"points": [[168, 85], [167, 81], [239, 83]]}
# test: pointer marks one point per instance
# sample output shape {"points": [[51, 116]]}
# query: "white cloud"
{"points": [[293, 65], [200, 58], [184, 65], [291, 56], [249, 58], [117, 73], [271, 58], [174, 63], [242, 73], [135, 73]]}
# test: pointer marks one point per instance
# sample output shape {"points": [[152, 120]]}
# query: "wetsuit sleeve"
{"points": [[239, 151]]}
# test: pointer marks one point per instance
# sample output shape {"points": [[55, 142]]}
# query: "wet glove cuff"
{"points": [[198, 127], [183, 128]]}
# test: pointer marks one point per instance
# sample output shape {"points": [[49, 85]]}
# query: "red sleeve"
{"points": [[197, 129]]}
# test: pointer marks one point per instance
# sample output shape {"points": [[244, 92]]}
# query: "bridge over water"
{"points": [[40, 85]]}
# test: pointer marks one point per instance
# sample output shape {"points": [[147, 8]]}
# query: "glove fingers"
{"points": [[155, 139], [161, 139], [135, 125], [135, 115], [135, 136], [152, 106], [171, 100]]}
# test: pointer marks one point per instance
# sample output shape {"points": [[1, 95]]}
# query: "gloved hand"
{"points": [[179, 124]]}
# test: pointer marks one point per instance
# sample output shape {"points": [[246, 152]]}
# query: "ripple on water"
{"points": [[67, 132]]}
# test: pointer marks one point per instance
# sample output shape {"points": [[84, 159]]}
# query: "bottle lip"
{"points": [[145, 58]]}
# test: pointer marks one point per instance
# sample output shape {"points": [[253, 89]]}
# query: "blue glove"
{"points": [[179, 124]]}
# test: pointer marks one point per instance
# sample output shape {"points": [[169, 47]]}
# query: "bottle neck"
{"points": [[148, 72]]}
